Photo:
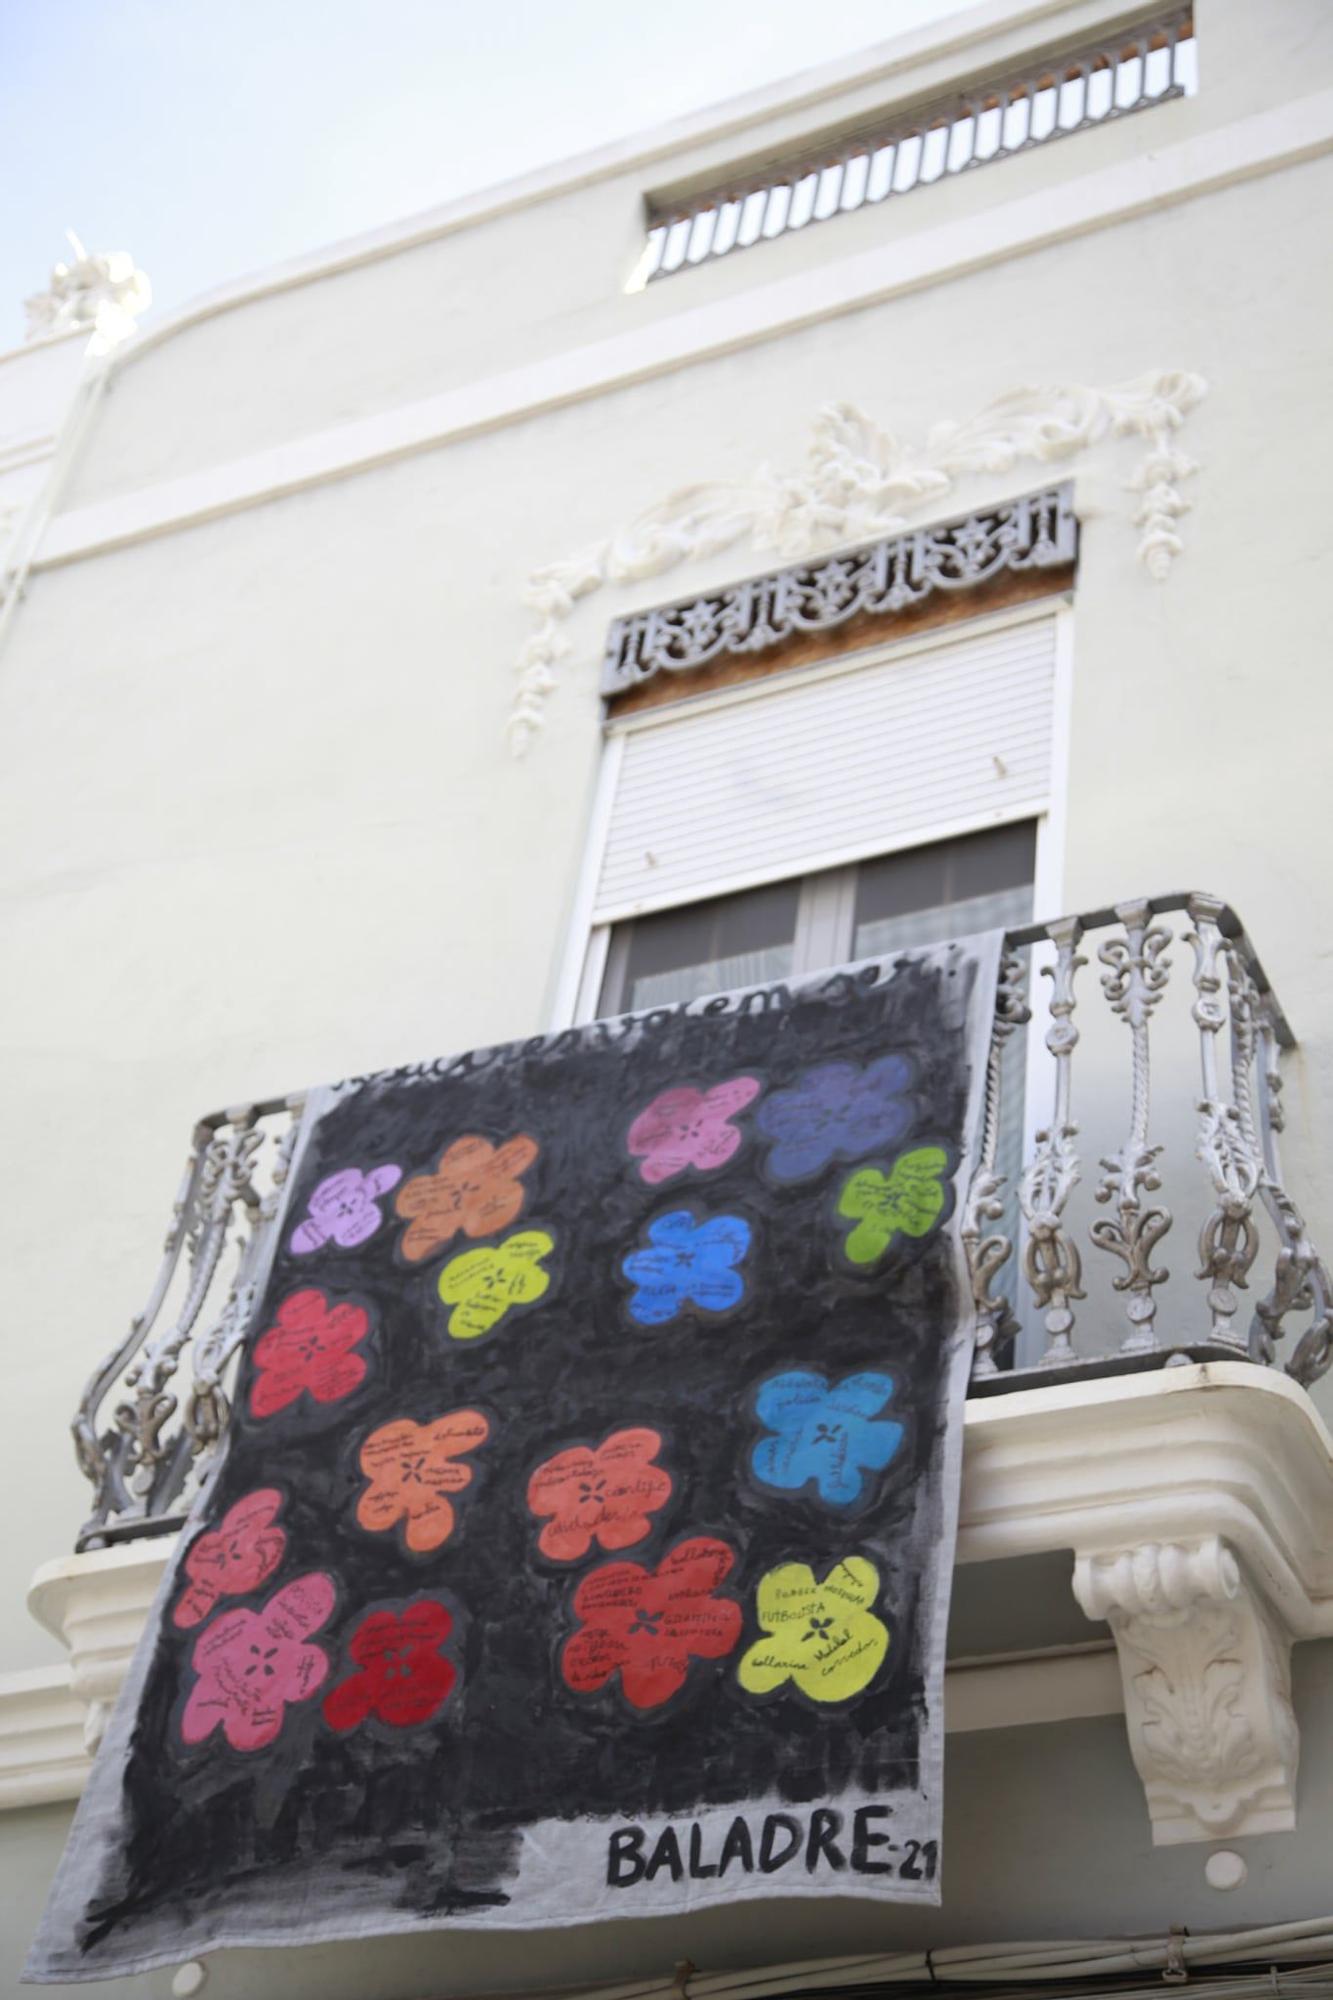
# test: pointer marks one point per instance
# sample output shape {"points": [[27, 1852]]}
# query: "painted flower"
{"points": [[344, 1209], [646, 1625], [824, 1637], [601, 1494], [251, 1664], [483, 1285], [690, 1128], [689, 1263], [309, 1351], [402, 1675], [476, 1187], [412, 1469], [828, 1438], [908, 1201], [836, 1111], [234, 1558]]}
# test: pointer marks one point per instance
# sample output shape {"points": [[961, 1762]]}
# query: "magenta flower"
{"points": [[344, 1209], [690, 1128], [252, 1663]]}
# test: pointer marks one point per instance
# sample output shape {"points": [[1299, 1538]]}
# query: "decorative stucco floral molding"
{"points": [[859, 483], [1206, 1668]]}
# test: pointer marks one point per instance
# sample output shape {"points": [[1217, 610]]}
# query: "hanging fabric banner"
{"points": [[581, 1542]]}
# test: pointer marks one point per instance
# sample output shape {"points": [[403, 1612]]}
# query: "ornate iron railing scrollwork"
{"points": [[155, 1410]]}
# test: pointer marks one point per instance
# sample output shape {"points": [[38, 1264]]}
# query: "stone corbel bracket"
{"points": [[1206, 1667], [1195, 1501]]}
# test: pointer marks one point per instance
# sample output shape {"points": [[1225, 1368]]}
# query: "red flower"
{"points": [[604, 1495], [646, 1624], [309, 1349], [235, 1557], [403, 1675]]}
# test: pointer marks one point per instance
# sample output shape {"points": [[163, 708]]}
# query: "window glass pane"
{"points": [[741, 940], [981, 881]]}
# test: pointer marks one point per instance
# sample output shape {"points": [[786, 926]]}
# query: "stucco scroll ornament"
{"points": [[859, 483], [100, 290], [1206, 1670]]}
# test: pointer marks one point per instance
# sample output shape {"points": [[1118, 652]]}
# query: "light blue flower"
{"points": [[828, 1437], [690, 1263]]}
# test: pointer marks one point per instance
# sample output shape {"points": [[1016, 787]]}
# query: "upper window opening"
{"points": [[1147, 63]]}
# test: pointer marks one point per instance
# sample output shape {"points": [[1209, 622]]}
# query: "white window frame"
{"points": [[583, 962]]}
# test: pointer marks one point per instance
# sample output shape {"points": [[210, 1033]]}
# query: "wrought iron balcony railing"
{"points": [[1210, 1043]]}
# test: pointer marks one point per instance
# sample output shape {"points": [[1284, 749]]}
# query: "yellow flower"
{"points": [[824, 1636], [482, 1285]]}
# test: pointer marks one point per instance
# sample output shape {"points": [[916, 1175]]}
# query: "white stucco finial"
{"points": [[102, 291]]}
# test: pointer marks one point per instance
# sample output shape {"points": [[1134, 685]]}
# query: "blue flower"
{"points": [[824, 1435], [836, 1111], [691, 1263]]}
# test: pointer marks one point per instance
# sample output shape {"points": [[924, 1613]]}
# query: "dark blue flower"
{"points": [[837, 1111], [828, 1437], [689, 1263]]}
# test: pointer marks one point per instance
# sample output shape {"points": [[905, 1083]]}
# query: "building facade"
{"points": [[883, 507]]}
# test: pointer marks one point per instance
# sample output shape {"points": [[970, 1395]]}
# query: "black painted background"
{"points": [[432, 1813]]}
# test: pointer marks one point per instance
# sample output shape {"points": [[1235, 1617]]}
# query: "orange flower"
{"points": [[412, 1468], [475, 1188]]}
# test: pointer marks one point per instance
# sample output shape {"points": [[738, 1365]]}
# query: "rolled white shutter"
{"points": [[786, 778]]}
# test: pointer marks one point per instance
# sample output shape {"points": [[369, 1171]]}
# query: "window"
{"points": [[1147, 63], [980, 881]]}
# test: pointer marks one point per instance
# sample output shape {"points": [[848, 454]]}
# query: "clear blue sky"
{"points": [[213, 137]]}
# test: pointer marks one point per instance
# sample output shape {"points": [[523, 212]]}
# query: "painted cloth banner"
{"points": [[582, 1541]]}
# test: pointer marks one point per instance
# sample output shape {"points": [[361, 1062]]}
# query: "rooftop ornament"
{"points": [[100, 291]]}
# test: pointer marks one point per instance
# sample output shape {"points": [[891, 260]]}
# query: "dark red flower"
{"points": [[309, 1349], [647, 1624], [403, 1676], [235, 1557]]}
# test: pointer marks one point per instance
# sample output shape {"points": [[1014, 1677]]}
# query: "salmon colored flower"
{"points": [[690, 1128], [309, 1351], [646, 1625], [475, 1188], [251, 1664], [482, 1285], [234, 1558], [603, 1494], [412, 1468], [402, 1675]]}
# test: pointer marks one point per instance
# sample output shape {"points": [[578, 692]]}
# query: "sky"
{"points": [[211, 138]]}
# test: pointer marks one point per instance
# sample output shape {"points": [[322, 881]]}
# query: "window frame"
{"points": [[583, 964]]}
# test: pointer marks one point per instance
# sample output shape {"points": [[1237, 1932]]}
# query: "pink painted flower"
{"points": [[344, 1209], [234, 1558], [690, 1128], [308, 1351], [252, 1663]]}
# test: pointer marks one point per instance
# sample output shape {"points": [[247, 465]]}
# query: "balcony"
{"points": [[1143, 1412]]}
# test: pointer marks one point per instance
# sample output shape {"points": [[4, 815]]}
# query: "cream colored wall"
{"points": [[548, 276], [258, 824]]}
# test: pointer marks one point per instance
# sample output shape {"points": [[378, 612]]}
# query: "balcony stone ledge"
{"points": [[1193, 1499]]}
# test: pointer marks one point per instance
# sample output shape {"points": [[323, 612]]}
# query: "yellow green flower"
{"points": [[908, 1199], [482, 1285], [823, 1636]]}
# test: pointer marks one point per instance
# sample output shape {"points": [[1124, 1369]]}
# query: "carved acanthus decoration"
{"points": [[1133, 984], [100, 291], [1206, 1669], [1036, 532], [859, 484]]}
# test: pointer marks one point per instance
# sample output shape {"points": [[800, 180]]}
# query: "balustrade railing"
{"points": [[1148, 62], [1207, 1135]]}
